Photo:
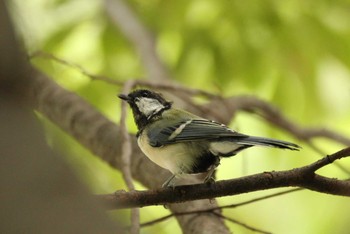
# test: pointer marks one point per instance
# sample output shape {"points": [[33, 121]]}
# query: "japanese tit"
{"points": [[182, 142]]}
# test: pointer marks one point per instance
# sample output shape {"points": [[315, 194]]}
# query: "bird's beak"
{"points": [[124, 97]]}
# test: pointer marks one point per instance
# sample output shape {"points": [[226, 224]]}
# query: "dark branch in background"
{"points": [[275, 117], [125, 19], [230, 106], [304, 177]]}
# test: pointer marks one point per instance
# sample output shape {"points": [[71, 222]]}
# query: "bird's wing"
{"points": [[191, 130]]}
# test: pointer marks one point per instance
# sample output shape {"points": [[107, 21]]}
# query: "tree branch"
{"points": [[125, 19], [255, 105], [302, 177]]}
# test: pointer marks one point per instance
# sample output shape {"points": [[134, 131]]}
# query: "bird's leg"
{"points": [[209, 178], [168, 182]]}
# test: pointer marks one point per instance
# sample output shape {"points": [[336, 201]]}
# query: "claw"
{"points": [[210, 178]]}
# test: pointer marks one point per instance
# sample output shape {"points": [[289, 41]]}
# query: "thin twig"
{"points": [[126, 143], [79, 68], [329, 159], [126, 158], [173, 87], [152, 222], [321, 153], [242, 224], [259, 199]]}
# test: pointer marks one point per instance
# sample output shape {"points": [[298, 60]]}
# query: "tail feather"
{"points": [[252, 140]]}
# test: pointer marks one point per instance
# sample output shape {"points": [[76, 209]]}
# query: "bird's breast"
{"points": [[177, 158]]}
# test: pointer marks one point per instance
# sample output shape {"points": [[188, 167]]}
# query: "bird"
{"points": [[185, 143]]}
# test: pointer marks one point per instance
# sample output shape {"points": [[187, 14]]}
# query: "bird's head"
{"points": [[146, 105]]}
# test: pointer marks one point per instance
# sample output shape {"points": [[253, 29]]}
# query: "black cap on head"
{"points": [[143, 93]]}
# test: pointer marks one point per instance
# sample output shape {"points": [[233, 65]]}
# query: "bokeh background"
{"points": [[293, 54]]}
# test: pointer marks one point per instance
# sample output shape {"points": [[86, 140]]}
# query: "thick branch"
{"points": [[302, 177]]}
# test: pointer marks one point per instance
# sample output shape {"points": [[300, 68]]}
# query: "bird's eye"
{"points": [[144, 94]]}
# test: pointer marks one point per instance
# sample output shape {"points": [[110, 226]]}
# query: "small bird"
{"points": [[182, 142]]}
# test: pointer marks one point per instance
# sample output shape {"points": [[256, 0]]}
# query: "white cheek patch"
{"points": [[149, 106]]}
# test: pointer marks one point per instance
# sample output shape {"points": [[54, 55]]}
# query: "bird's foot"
{"points": [[209, 180], [169, 182]]}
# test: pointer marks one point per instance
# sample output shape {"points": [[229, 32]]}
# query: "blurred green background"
{"points": [[294, 54]]}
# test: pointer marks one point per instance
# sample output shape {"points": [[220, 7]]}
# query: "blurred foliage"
{"points": [[295, 54]]}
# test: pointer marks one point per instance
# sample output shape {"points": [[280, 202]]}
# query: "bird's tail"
{"points": [[252, 140]]}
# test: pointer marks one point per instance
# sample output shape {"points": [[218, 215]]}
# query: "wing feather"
{"points": [[191, 130]]}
